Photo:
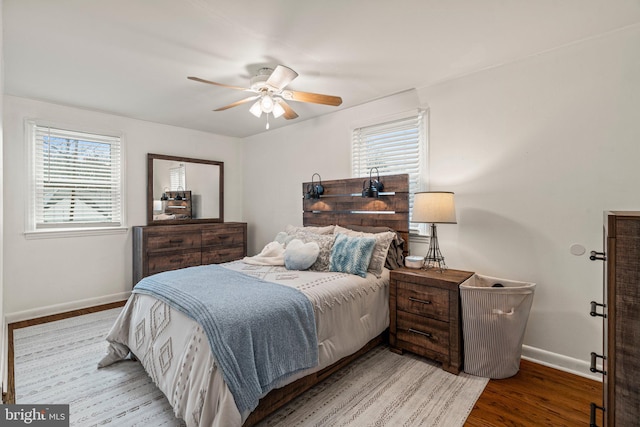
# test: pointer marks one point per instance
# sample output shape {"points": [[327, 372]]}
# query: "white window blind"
{"points": [[77, 179], [394, 147], [177, 178]]}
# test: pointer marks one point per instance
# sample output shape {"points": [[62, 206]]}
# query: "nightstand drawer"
{"points": [[423, 300], [423, 332]]}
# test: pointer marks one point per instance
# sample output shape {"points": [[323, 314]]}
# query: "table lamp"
{"points": [[434, 207]]}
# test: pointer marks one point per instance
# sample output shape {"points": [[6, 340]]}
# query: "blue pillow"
{"points": [[351, 254]]}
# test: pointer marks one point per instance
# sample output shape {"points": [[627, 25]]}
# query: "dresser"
{"points": [[620, 312], [424, 314], [169, 247]]}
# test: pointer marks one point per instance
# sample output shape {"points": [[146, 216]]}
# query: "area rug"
{"points": [[56, 362]]}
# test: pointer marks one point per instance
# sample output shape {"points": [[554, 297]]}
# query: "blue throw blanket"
{"points": [[259, 332]]}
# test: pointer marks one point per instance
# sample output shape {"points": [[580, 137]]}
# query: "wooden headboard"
{"points": [[342, 203]]}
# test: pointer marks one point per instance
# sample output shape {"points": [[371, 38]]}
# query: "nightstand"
{"points": [[424, 314]]}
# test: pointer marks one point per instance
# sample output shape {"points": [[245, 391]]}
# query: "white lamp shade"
{"points": [[434, 207], [278, 110], [256, 109]]}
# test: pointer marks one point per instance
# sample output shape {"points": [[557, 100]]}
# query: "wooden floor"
{"points": [[537, 396]]}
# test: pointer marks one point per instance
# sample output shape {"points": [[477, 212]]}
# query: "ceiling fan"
{"points": [[270, 94]]}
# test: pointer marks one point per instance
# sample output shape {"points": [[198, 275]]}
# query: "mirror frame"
{"points": [[150, 220]]}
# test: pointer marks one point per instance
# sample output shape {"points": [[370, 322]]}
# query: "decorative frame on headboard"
{"points": [[342, 203]]}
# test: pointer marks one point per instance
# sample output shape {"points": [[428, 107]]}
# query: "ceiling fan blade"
{"points": [[198, 79], [235, 104], [281, 77], [315, 98], [288, 111]]}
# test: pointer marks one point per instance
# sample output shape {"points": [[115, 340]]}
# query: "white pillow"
{"points": [[299, 255], [271, 254], [284, 238]]}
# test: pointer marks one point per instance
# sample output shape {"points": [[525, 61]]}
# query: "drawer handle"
{"points": [[174, 242], [421, 301], [502, 312], [175, 260], [592, 417], [593, 368], [415, 331], [593, 311]]}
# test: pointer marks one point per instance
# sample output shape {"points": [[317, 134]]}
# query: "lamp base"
{"points": [[434, 258]]}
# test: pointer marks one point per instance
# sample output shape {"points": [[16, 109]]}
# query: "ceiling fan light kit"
{"points": [[278, 111], [256, 109], [268, 84]]}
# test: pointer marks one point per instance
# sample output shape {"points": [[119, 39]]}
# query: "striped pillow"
{"points": [[351, 254]]}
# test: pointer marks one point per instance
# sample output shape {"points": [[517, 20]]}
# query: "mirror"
{"points": [[181, 190]]}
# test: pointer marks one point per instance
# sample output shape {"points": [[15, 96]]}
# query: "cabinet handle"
{"points": [[415, 331], [598, 256], [592, 417], [421, 301], [593, 311], [593, 368], [173, 242]]}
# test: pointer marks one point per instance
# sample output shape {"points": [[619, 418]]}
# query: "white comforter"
{"points": [[174, 350]]}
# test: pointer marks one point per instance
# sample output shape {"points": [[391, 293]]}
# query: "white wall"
{"points": [[47, 275], [535, 151], [3, 332]]}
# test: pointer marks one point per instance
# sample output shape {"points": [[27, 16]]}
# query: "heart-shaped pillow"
{"points": [[299, 255]]}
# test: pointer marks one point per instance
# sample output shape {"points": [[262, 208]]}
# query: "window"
{"points": [[177, 177], [394, 147], [76, 179]]}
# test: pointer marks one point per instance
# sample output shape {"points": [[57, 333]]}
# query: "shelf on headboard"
{"points": [[342, 203]]}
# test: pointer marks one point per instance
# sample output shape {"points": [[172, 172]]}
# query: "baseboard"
{"points": [[560, 362], [62, 308]]}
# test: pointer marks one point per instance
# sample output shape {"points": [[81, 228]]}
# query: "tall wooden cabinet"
{"points": [[169, 247], [621, 320]]}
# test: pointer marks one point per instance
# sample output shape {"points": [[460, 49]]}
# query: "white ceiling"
{"points": [[132, 57]]}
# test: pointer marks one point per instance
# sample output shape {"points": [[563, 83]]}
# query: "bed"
{"points": [[348, 315]]}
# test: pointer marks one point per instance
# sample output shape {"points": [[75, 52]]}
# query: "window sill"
{"points": [[70, 232], [419, 238]]}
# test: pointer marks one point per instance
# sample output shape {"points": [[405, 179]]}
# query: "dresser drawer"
{"points": [[423, 300], [223, 236], [423, 332], [218, 255], [175, 240], [159, 262]]}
